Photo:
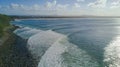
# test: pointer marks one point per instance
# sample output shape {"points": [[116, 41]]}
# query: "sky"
{"points": [[61, 7]]}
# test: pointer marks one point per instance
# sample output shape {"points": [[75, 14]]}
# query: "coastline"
{"points": [[13, 50]]}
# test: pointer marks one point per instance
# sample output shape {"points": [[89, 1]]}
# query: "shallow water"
{"points": [[77, 42]]}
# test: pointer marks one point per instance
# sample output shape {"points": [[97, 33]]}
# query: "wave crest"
{"points": [[65, 54], [53, 49], [40, 42]]}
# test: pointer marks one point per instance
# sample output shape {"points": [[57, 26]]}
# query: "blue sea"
{"points": [[72, 42]]}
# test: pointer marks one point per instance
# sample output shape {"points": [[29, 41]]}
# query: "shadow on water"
{"points": [[15, 53], [21, 55]]}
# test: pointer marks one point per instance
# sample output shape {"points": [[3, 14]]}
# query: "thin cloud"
{"points": [[51, 4], [55, 5], [77, 5], [58, 8], [80, 0], [115, 4], [98, 4]]}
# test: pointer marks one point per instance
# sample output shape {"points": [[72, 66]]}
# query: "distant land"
{"points": [[37, 17]]}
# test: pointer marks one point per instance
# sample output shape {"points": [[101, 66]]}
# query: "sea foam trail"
{"points": [[112, 52], [65, 54]]}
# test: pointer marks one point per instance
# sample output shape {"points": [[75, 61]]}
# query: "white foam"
{"points": [[22, 29], [65, 54], [17, 20], [40, 42], [112, 53], [26, 32], [52, 49]]}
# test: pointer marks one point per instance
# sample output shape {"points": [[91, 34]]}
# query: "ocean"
{"points": [[72, 42]]}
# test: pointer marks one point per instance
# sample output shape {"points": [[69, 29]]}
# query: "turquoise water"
{"points": [[76, 42]]}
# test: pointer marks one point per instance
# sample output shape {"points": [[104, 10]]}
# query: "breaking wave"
{"points": [[65, 54], [40, 42], [52, 49], [26, 32]]}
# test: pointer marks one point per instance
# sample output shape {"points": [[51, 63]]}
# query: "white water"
{"points": [[40, 42], [52, 49], [65, 54], [26, 32], [112, 52]]}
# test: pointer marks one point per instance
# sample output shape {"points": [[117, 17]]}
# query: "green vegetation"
{"points": [[13, 49], [14, 52], [4, 23]]}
